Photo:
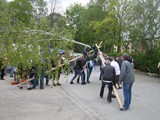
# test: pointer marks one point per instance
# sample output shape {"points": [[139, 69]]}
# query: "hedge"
{"points": [[147, 61]]}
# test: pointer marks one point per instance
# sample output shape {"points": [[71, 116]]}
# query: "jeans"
{"points": [[35, 80], [89, 71], [127, 92], [12, 71], [47, 79], [78, 72], [42, 78], [101, 74]]}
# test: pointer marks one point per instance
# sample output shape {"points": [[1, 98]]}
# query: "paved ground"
{"points": [[78, 102]]}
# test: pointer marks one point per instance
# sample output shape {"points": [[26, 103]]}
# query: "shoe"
{"points": [[113, 96], [42, 88], [2, 79], [47, 85], [29, 88], [58, 84], [21, 87], [101, 96], [71, 82], [109, 101], [123, 109], [83, 83], [33, 87], [88, 82]]}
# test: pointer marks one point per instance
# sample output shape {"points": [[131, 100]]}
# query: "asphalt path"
{"points": [[79, 102]]}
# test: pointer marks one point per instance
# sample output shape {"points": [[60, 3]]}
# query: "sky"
{"points": [[63, 4]]}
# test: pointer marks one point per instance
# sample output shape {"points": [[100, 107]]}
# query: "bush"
{"points": [[147, 61]]}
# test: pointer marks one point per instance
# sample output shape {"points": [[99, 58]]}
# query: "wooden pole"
{"points": [[114, 89]]}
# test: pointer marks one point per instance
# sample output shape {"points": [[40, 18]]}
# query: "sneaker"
{"points": [[47, 85], [42, 88], [71, 82]]}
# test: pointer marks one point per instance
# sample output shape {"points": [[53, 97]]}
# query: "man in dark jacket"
{"points": [[79, 68], [108, 79]]}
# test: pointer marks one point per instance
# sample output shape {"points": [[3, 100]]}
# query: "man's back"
{"points": [[109, 73]]}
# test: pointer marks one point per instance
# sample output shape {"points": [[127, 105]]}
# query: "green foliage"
{"points": [[26, 38], [147, 61]]}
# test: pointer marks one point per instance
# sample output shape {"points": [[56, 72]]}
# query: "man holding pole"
{"points": [[108, 79]]}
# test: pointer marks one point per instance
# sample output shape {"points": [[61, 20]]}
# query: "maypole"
{"points": [[27, 81]]}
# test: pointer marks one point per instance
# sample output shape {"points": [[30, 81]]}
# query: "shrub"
{"points": [[148, 61]]}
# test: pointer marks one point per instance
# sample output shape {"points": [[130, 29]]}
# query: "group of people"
{"points": [[80, 66], [55, 75], [114, 74]]}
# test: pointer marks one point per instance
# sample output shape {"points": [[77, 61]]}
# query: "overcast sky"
{"points": [[63, 4]]}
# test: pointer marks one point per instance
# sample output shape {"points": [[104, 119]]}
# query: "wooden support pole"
{"points": [[114, 89]]}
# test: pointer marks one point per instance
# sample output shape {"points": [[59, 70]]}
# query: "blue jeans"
{"points": [[42, 78], [35, 80], [12, 71], [78, 72], [89, 71], [127, 91], [47, 79]]}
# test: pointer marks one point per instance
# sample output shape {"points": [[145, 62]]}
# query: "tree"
{"points": [[145, 18], [28, 42], [22, 11]]}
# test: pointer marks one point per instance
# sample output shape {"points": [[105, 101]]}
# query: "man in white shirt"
{"points": [[117, 69]]}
